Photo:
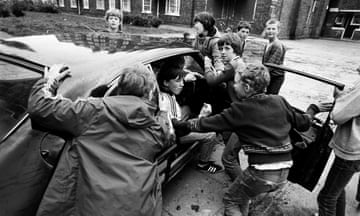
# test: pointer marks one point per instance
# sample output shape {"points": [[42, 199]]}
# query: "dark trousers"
{"points": [[358, 191], [275, 84], [230, 157], [331, 198]]}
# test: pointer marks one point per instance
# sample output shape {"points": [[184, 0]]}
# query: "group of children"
{"points": [[259, 118]]}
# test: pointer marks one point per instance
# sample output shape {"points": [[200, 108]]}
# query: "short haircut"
{"points": [[208, 22], [273, 22], [257, 76], [136, 80], [243, 24], [233, 40], [169, 72], [114, 12]]}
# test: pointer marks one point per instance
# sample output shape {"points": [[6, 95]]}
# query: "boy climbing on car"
{"points": [[262, 123]]}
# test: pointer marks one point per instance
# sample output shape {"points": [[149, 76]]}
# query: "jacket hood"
{"points": [[131, 110]]}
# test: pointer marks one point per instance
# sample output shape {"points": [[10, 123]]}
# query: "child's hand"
{"points": [[206, 110], [337, 92], [192, 76], [325, 106]]}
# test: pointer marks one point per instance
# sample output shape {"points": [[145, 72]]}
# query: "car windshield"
{"points": [[15, 86]]}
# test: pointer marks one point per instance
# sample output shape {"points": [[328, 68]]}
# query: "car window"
{"points": [[15, 86]]}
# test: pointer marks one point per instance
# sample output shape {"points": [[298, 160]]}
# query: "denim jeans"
{"points": [[331, 198], [275, 84], [230, 157], [250, 184], [358, 191], [207, 143]]}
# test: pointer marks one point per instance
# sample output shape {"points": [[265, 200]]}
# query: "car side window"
{"points": [[15, 86]]}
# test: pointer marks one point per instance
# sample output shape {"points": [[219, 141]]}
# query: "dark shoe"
{"points": [[209, 166]]}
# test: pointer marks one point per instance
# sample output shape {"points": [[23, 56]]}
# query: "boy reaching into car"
{"points": [[262, 123]]}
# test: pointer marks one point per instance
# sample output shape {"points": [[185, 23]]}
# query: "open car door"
{"points": [[311, 148]]}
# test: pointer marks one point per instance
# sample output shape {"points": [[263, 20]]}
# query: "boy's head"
{"points": [[272, 28], [254, 79], [204, 24], [171, 79], [229, 46], [138, 81], [113, 18], [243, 29]]}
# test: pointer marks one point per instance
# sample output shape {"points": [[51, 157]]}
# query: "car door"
{"points": [[27, 156]]}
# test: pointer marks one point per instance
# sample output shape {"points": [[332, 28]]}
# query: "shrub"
{"points": [[46, 7], [128, 19], [17, 8], [4, 9], [141, 21], [155, 22]]}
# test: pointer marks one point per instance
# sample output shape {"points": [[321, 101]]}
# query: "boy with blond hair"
{"points": [[274, 52]]}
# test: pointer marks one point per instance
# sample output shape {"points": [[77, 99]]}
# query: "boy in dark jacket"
{"points": [[262, 123]]}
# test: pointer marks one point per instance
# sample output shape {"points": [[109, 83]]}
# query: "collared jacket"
{"points": [[346, 114], [262, 124], [108, 167]]}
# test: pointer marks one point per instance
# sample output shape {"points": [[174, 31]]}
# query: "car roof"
{"points": [[96, 58]]}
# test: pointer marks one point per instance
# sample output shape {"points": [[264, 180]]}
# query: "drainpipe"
{"points": [[78, 4], [157, 8]]}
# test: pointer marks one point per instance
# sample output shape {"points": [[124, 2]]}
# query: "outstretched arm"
{"points": [[55, 112]]}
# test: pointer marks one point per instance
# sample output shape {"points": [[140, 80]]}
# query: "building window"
{"points": [[61, 3], [111, 3], [125, 5], [339, 20], [146, 6], [86, 4], [355, 20], [100, 4], [73, 4], [172, 7]]}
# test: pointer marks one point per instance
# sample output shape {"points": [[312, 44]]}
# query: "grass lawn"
{"points": [[36, 23]]}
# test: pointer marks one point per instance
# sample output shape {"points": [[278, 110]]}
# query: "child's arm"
{"points": [[347, 106], [214, 77], [223, 121]]}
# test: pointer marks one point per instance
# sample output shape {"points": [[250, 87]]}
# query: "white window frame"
{"points": [[143, 6], [177, 7], [73, 4], [100, 4], [112, 4], [339, 20], [353, 22], [126, 7], [61, 3], [86, 4]]}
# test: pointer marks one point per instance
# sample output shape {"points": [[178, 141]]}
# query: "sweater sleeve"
{"points": [[58, 113], [299, 121], [347, 106], [223, 121]]}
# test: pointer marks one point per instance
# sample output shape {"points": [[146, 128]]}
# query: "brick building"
{"points": [[342, 20], [299, 18]]}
